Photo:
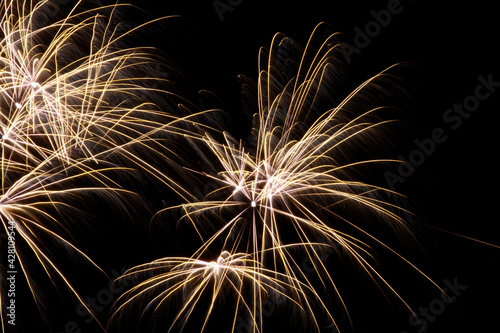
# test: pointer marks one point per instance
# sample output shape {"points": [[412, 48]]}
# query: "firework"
{"points": [[77, 100], [186, 280], [36, 204], [74, 123], [296, 186]]}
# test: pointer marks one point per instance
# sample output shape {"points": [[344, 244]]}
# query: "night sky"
{"points": [[452, 50]]}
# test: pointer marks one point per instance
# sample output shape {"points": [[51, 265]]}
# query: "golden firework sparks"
{"points": [[296, 181], [72, 113], [184, 281]]}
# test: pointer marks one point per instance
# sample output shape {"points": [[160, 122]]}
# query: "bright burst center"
{"points": [[215, 266]]}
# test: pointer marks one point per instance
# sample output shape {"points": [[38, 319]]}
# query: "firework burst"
{"points": [[296, 186], [72, 99], [187, 280], [74, 121], [37, 204]]}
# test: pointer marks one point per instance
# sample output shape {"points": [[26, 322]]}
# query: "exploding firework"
{"points": [[230, 277], [295, 188], [73, 100], [74, 121], [36, 205]]}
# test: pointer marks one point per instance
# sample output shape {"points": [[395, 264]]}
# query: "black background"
{"points": [[454, 189]]}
